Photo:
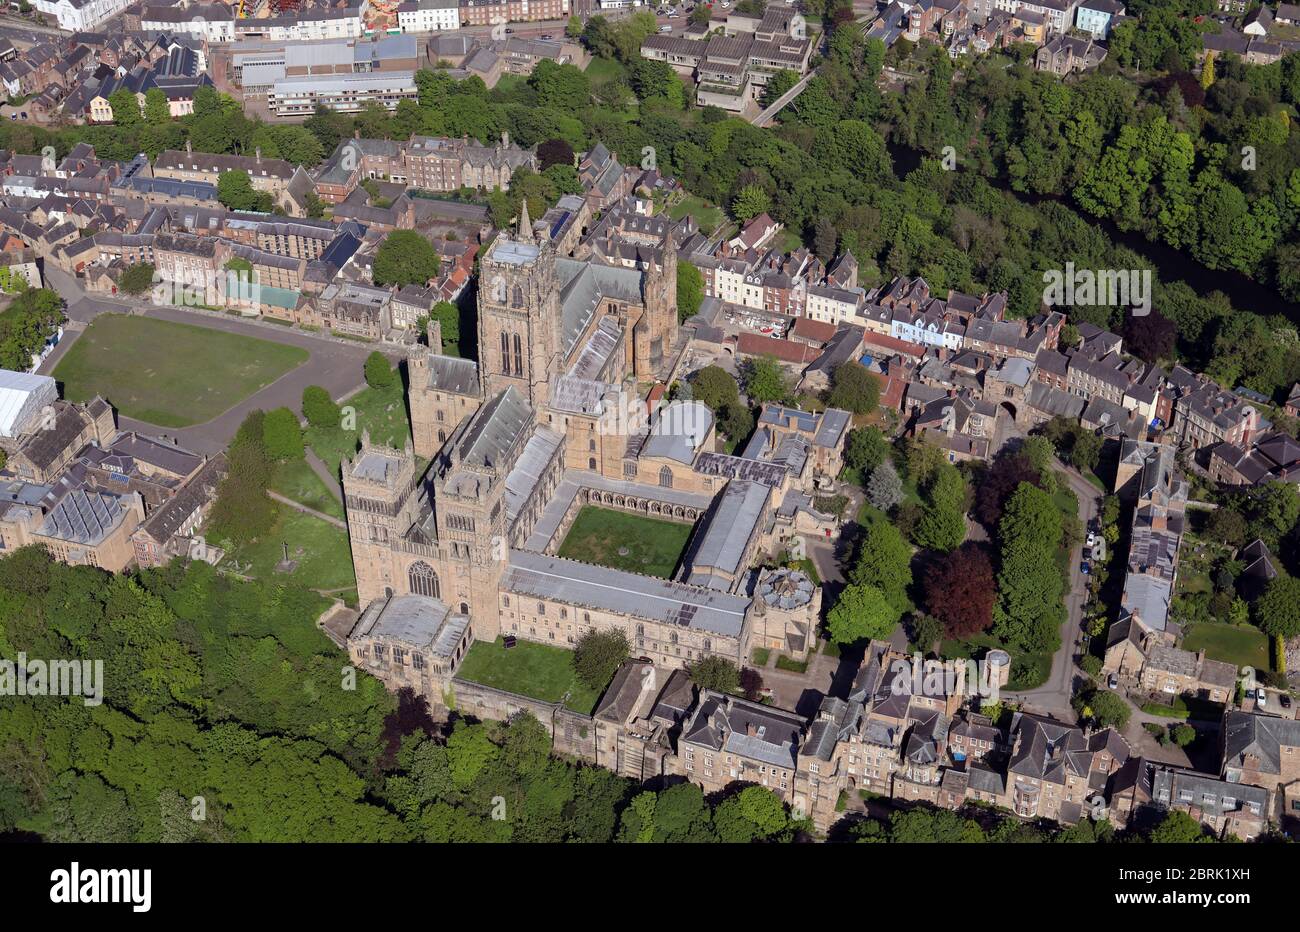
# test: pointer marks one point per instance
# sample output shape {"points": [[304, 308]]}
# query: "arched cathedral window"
{"points": [[423, 580], [519, 356], [666, 478], [499, 290]]}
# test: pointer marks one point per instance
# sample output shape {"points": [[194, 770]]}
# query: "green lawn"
{"points": [[1190, 582], [298, 481], [529, 669], [382, 411], [601, 70], [706, 215], [169, 374], [321, 549], [1240, 645], [790, 664], [651, 546]]}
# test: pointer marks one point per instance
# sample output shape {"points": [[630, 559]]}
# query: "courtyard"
{"points": [[625, 541], [529, 669], [170, 374]]}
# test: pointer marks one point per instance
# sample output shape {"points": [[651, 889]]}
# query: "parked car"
{"points": [[1113, 681], [1261, 699], [1085, 569], [665, 28], [1285, 700], [1092, 539], [548, 37]]}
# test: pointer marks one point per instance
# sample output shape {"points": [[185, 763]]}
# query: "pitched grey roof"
{"points": [[583, 285], [528, 469], [1248, 734], [452, 374], [630, 594], [747, 729], [730, 526]]}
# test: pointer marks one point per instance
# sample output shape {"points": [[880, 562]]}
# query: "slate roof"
{"points": [[452, 374], [747, 729], [167, 518], [632, 594], [730, 525], [583, 285], [1259, 736]]}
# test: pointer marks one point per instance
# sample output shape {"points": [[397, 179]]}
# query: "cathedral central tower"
{"points": [[519, 318]]}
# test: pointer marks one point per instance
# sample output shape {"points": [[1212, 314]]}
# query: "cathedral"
{"points": [[552, 417]]}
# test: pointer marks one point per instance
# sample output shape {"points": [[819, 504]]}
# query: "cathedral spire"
{"points": [[525, 225]]}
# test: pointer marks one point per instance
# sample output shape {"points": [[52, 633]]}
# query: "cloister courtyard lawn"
{"points": [[170, 374], [626, 541]]}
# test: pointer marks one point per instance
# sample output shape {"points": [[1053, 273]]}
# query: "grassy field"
{"points": [[601, 70], [169, 374], [296, 480], [1236, 644], [529, 669], [652, 546], [324, 558], [706, 215], [382, 412]]}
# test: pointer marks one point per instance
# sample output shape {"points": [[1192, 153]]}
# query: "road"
{"points": [[1054, 696], [20, 29], [335, 366]]}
